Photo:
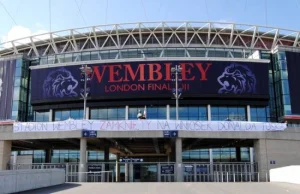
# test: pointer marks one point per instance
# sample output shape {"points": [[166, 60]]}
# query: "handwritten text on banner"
{"points": [[146, 125]]}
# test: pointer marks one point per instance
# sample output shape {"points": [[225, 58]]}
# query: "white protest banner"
{"points": [[146, 125]]}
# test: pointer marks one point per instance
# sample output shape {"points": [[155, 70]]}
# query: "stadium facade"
{"points": [[237, 88]]}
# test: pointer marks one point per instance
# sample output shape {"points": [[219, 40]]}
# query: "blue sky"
{"points": [[32, 16]]}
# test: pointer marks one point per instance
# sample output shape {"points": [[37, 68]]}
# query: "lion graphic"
{"points": [[60, 83], [237, 79]]}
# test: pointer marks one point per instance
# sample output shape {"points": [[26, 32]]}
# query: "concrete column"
{"points": [[126, 172], [117, 168], [48, 156], [168, 112], [15, 157], [261, 157], [82, 161], [5, 150], [87, 114], [211, 161], [251, 155], [178, 148], [130, 172], [208, 112], [126, 112], [248, 113], [51, 115], [252, 162]]}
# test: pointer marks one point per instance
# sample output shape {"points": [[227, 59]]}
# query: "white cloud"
{"points": [[20, 32], [223, 23]]}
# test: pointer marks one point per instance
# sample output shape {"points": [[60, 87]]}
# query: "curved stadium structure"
{"points": [[169, 101]]}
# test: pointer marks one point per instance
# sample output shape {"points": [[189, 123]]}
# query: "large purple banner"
{"points": [[7, 71], [153, 79]]}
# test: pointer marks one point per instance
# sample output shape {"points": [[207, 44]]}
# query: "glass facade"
{"points": [[219, 155], [189, 113], [147, 53], [281, 84], [108, 113], [41, 116], [152, 112], [260, 114], [65, 156], [60, 115], [201, 155], [218, 113], [233, 113], [279, 103], [21, 90], [198, 155]]}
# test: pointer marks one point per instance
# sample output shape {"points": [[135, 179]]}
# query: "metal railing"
{"points": [[101, 176], [191, 172]]}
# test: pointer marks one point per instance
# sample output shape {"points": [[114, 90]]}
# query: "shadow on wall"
{"points": [[52, 189]]}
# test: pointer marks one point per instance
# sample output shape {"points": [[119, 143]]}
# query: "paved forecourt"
{"points": [[171, 188]]}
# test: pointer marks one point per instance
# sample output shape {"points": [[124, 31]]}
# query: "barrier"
{"points": [[12, 181], [101, 176], [159, 171]]}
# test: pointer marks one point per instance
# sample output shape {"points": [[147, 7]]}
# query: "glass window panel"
{"points": [[285, 87], [17, 81], [15, 106], [94, 114], [112, 113], [202, 111], [57, 115], [172, 112], [286, 99], [183, 111], [68, 57], [121, 112], [223, 111], [75, 114], [85, 56], [133, 113], [253, 112], [261, 112], [162, 112], [76, 57], [102, 113], [16, 93], [18, 72], [193, 118], [94, 55], [193, 111], [65, 114], [194, 155]]}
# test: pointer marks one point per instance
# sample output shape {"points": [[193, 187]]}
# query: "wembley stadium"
{"points": [[152, 102]]}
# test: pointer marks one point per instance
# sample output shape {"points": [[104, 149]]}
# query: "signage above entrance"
{"points": [[152, 79], [89, 133], [128, 160], [145, 125], [170, 133]]}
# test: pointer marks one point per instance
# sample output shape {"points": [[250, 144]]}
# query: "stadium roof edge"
{"points": [[213, 30]]}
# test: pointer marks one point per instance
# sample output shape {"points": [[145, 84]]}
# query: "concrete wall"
{"points": [[5, 150], [288, 174], [21, 180], [272, 153]]}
